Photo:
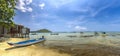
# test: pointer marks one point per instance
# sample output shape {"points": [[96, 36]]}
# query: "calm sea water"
{"points": [[113, 38]]}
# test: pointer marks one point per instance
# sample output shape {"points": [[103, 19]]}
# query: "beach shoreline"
{"points": [[31, 50], [59, 50]]}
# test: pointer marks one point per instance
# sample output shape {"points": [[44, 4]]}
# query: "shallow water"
{"points": [[64, 45], [63, 39]]}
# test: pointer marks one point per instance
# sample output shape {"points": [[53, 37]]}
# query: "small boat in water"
{"points": [[27, 42], [71, 36], [54, 34], [33, 33]]}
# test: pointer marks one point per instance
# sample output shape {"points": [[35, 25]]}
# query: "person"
{"points": [[104, 34], [43, 43], [42, 36]]}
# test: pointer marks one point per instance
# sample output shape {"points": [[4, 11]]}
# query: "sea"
{"points": [[68, 44], [77, 38]]}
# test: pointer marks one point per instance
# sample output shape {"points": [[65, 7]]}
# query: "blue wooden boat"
{"points": [[27, 42]]}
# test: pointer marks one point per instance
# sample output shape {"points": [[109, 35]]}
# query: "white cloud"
{"points": [[28, 2], [99, 10], [95, 12], [78, 21], [75, 24], [80, 28], [33, 16], [29, 9], [59, 3], [21, 5], [42, 5]]}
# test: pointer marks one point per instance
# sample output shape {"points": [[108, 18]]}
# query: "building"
{"points": [[19, 31], [16, 31], [25, 32]]}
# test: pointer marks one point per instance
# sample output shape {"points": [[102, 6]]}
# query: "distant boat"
{"points": [[33, 33], [54, 34], [27, 42], [71, 36]]}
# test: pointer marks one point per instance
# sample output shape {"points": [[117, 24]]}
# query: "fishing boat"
{"points": [[27, 42]]}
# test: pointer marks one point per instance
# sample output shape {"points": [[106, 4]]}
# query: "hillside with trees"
{"points": [[42, 31]]}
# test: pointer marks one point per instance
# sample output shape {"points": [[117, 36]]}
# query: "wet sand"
{"points": [[59, 50]]}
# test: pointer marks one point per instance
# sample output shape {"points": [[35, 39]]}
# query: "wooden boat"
{"points": [[27, 42]]}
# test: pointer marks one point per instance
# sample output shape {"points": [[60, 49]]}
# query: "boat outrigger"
{"points": [[27, 42]]}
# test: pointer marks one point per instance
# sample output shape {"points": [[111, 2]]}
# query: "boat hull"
{"points": [[27, 42]]}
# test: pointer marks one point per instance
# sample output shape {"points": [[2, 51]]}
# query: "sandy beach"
{"points": [[59, 27], [28, 51], [58, 50]]}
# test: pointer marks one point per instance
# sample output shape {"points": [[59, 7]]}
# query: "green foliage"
{"points": [[41, 31], [7, 12], [44, 30]]}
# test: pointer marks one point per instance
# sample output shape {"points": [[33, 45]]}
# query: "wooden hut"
{"points": [[13, 31], [25, 32], [19, 30], [16, 31]]}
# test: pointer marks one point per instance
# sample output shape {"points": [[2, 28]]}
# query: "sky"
{"points": [[69, 15]]}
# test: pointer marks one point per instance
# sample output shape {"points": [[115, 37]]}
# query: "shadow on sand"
{"points": [[41, 43], [15, 47]]}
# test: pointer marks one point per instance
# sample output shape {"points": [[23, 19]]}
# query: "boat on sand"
{"points": [[26, 42]]}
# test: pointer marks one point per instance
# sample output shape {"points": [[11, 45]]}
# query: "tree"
{"points": [[41, 31], [44, 30], [7, 12]]}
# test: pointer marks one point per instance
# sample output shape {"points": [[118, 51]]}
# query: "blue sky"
{"points": [[69, 15]]}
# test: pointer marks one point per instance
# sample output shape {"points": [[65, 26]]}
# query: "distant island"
{"points": [[42, 31]]}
